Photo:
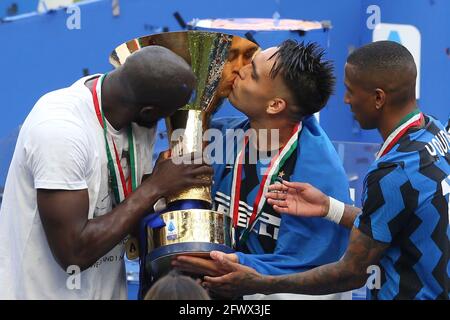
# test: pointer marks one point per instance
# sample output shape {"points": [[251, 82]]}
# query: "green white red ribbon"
{"points": [[414, 119], [119, 184], [268, 178]]}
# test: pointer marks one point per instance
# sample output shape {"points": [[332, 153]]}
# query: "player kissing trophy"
{"points": [[184, 224]]}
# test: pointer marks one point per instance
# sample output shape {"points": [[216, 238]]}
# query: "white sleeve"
{"points": [[57, 155]]}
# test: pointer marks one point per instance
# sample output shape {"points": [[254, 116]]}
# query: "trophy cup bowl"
{"points": [[191, 227]]}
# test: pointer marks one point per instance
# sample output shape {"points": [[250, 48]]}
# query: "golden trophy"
{"points": [[188, 226]]}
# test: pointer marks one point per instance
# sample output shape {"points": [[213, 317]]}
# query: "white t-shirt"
{"points": [[61, 146]]}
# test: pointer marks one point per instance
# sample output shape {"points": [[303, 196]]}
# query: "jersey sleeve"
{"points": [[57, 155], [388, 200]]}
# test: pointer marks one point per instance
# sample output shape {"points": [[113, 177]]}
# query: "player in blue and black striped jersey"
{"points": [[402, 230], [406, 205]]}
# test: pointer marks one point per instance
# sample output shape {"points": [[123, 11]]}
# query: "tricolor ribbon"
{"points": [[121, 188], [268, 178], [414, 119], [119, 185]]}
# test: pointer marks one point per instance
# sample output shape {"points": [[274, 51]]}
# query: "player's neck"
{"points": [[273, 128], [395, 118], [110, 110], [117, 115]]}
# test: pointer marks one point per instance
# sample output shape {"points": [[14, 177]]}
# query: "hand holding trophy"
{"points": [[189, 225]]}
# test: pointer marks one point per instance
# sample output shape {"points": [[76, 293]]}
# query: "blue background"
{"points": [[40, 54]]}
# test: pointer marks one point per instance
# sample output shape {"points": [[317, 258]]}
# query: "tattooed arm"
{"points": [[347, 274], [350, 214]]}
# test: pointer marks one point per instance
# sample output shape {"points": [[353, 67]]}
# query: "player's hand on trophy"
{"points": [[171, 176], [298, 199], [202, 266], [238, 281]]}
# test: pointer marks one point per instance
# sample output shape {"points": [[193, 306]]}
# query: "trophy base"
{"points": [[194, 232], [158, 262]]}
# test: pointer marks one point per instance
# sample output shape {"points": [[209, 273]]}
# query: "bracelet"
{"points": [[335, 211]]}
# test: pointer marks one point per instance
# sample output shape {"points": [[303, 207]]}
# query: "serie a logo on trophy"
{"points": [[188, 226]]}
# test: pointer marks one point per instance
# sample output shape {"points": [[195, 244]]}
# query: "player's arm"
{"points": [[304, 200], [349, 273], [76, 240], [389, 198]]}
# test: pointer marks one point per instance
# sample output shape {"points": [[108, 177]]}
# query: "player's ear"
{"points": [[275, 106]]}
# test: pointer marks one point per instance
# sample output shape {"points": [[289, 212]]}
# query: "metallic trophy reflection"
{"points": [[190, 226]]}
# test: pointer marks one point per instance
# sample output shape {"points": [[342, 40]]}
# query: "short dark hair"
{"points": [[387, 65], [382, 56], [309, 78], [170, 82], [174, 286]]}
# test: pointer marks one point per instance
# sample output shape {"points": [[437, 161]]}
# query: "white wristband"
{"points": [[336, 210]]}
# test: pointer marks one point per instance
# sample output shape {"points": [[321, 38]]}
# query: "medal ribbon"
{"points": [[119, 185], [414, 119], [271, 172]]}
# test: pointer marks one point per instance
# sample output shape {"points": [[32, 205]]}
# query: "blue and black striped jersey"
{"points": [[406, 204]]}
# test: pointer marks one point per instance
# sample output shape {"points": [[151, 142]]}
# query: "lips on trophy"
{"points": [[190, 226]]}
